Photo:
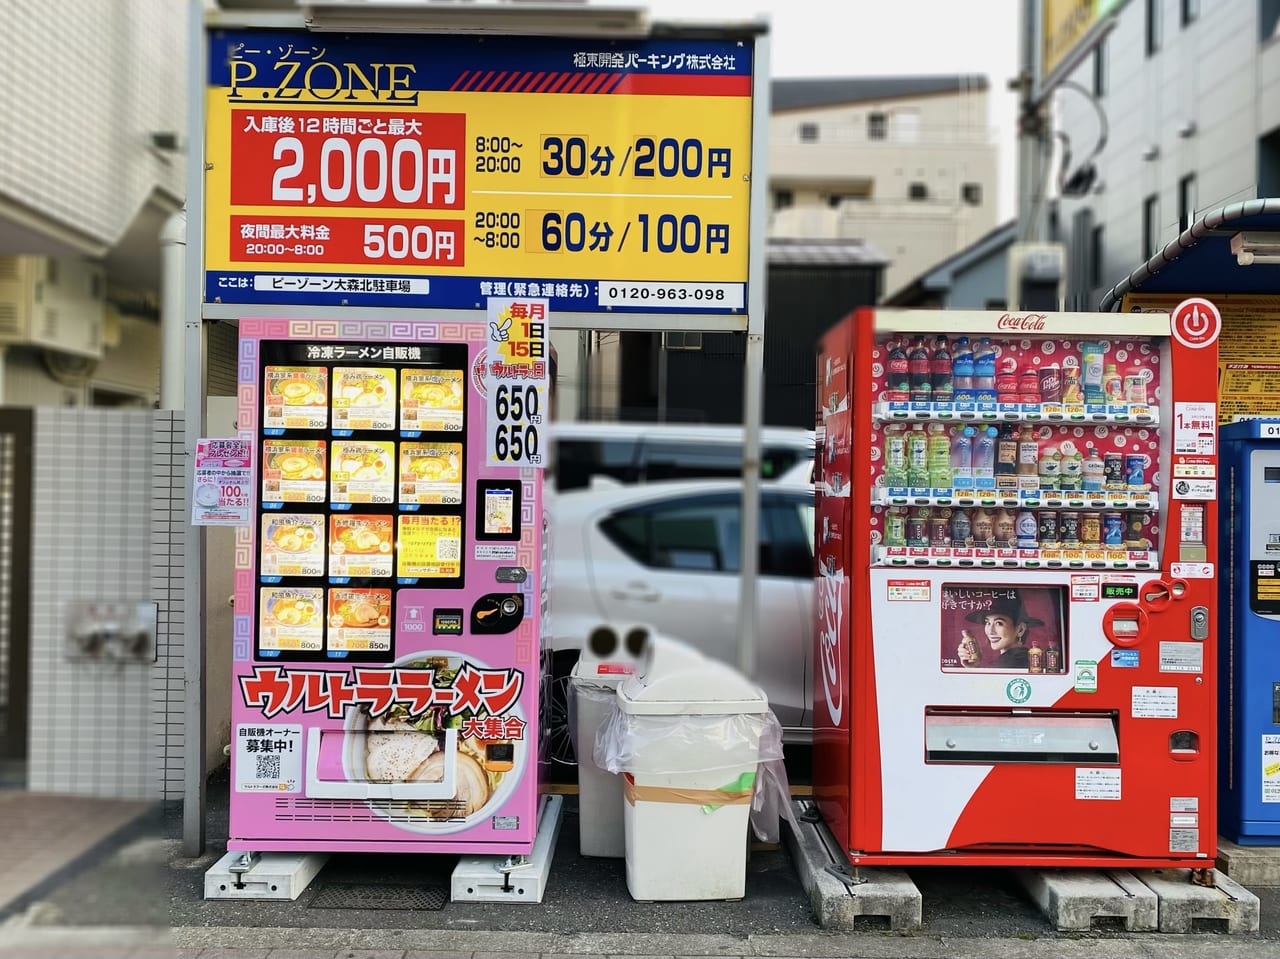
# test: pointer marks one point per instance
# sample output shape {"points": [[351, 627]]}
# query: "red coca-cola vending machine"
{"points": [[1016, 589]]}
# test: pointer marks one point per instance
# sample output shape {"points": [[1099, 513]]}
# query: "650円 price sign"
{"points": [[516, 380], [441, 171]]}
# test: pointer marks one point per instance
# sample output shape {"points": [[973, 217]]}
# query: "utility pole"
{"points": [[1034, 134]]}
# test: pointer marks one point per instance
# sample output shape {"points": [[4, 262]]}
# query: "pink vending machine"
{"points": [[389, 592]]}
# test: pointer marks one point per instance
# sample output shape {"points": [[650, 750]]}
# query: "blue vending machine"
{"points": [[1249, 649]]}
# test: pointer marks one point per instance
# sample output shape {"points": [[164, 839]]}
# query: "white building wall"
{"points": [[943, 141], [85, 83], [1202, 101]]}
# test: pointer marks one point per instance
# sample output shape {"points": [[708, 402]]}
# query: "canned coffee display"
{"points": [[1069, 527], [1048, 519], [1091, 529], [1134, 521], [1113, 471], [1135, 470], [1112, 529]]}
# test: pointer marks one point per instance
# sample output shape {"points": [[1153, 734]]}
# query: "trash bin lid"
{"points": [[703, 688], [597, 672]]}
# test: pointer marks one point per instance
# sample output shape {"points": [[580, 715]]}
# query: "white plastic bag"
{"points": [[660, 745]]}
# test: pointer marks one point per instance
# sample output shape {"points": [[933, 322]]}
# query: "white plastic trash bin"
{"points": [[593, 684], [691, 732]]}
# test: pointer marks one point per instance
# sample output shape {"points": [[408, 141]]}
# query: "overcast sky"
{"points": [[837, 38]]}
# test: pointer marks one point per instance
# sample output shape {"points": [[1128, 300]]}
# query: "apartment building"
{"points": [[906, 164], [1188, 93], [90, 168]]}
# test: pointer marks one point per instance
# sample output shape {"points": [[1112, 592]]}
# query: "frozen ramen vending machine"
{"points": [[389, 592], [1016, 612]]}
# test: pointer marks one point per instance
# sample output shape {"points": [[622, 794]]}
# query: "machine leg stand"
{"points": [[262, 875], [512, 878]]}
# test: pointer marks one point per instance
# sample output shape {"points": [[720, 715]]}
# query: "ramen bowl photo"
{"points": [[398, 748]]}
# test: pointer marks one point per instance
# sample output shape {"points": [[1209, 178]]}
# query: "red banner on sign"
{"points": [[349, 159]]}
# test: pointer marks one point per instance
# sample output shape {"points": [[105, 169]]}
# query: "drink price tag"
{"points": [[517, 382], [222, 483]]}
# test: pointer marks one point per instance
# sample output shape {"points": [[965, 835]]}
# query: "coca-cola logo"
{"points": [[829, 632], [1028, 321]]}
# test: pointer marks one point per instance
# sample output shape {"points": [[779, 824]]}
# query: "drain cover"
{"points": [[380, 896]]}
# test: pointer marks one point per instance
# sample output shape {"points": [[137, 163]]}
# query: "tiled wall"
{"points": [[107, 525], [170, 518]]}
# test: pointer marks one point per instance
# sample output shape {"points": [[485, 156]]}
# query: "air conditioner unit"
{"points": [[52, 302], [1037, 276]]}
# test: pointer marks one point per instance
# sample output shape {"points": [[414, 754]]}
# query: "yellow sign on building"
{"points": [[1066, 23], [1248, 349]]}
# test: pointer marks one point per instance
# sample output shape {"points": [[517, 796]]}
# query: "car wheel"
{"points": [[560, 745]]}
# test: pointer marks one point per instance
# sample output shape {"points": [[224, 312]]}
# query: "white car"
{"points": [[666, 555]]}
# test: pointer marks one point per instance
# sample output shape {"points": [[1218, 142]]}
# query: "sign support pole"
{"points": [[193, 635], [753, 376]]}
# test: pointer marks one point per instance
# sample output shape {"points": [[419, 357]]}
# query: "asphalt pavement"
{"points": [[139, 897]]}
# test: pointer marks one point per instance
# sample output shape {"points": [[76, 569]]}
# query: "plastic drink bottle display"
{"points": [[1007, 451], [918, 526], [1027, 529], [921, 373], [895, 527], [1112, 385], [1091, 357], [1072, 466], [939, 456], [895, 458], [984, 370], [1006, 526], [962, 371], [1028, 457], [1094, 471], [940, 376], [1007, 380], [1035, 660], [984, 458], [917, 457], [899, 384], [983, 527], [962, 459], [961, 528], [1050, 468]]}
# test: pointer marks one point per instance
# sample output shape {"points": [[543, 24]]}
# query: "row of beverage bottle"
{"points": [[984, 457], [968, 372], [1022, 528]]}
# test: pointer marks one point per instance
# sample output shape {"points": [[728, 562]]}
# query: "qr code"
{"points": [[268, 767], [449, 549]]}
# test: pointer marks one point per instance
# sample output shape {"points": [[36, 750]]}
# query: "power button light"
{"points": [[1199, 622]]}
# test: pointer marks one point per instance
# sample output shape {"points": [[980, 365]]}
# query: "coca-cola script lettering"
{"points": [[1028, 321], [830, 589]]}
